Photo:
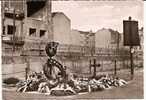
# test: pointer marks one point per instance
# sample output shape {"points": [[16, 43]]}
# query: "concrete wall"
{"points": [[75, 64]]}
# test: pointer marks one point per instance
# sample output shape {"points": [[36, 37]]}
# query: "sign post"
{"points": [[131, 62], [131, 55], [131, 38]]}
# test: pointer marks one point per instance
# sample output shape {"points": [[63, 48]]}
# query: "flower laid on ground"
{"points": [[62, 87]]}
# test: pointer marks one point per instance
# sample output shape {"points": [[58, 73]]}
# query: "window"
{"points": [[11, 29], [3, 30], [42, 33], [32, 32]]}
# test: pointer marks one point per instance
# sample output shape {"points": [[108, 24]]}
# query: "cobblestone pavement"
{"points": [[133, 90]]}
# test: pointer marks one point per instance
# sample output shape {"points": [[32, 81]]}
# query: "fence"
{"points": [[76, 58]]}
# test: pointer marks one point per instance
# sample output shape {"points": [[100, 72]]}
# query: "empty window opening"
{"points": [[32, 32], [11, 29], [42, 33]]}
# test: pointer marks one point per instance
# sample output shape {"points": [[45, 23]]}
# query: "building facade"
{"points": [[19, 29], [107, 38], [61, 28]]}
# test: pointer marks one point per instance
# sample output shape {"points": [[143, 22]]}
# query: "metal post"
{"points": [[115, 72], [90, 66], [65, 76], [40, 47], [131, 55], [102, 66], [26, 73], [116, 54], [14, 29], [94, 65], [27, 69], [131, 63]]}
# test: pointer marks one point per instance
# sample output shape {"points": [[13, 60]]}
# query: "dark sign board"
{"points": [[131, 36]]}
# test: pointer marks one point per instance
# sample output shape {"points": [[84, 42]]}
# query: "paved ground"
{"points": [[134, 90]]}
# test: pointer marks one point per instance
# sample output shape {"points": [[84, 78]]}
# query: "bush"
{"points": [[11, 80]]}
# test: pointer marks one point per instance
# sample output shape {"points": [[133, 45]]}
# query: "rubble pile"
{"points": [[61, 87]]}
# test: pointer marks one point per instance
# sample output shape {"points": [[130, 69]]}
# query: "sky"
{"points": [[95, 15]]}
